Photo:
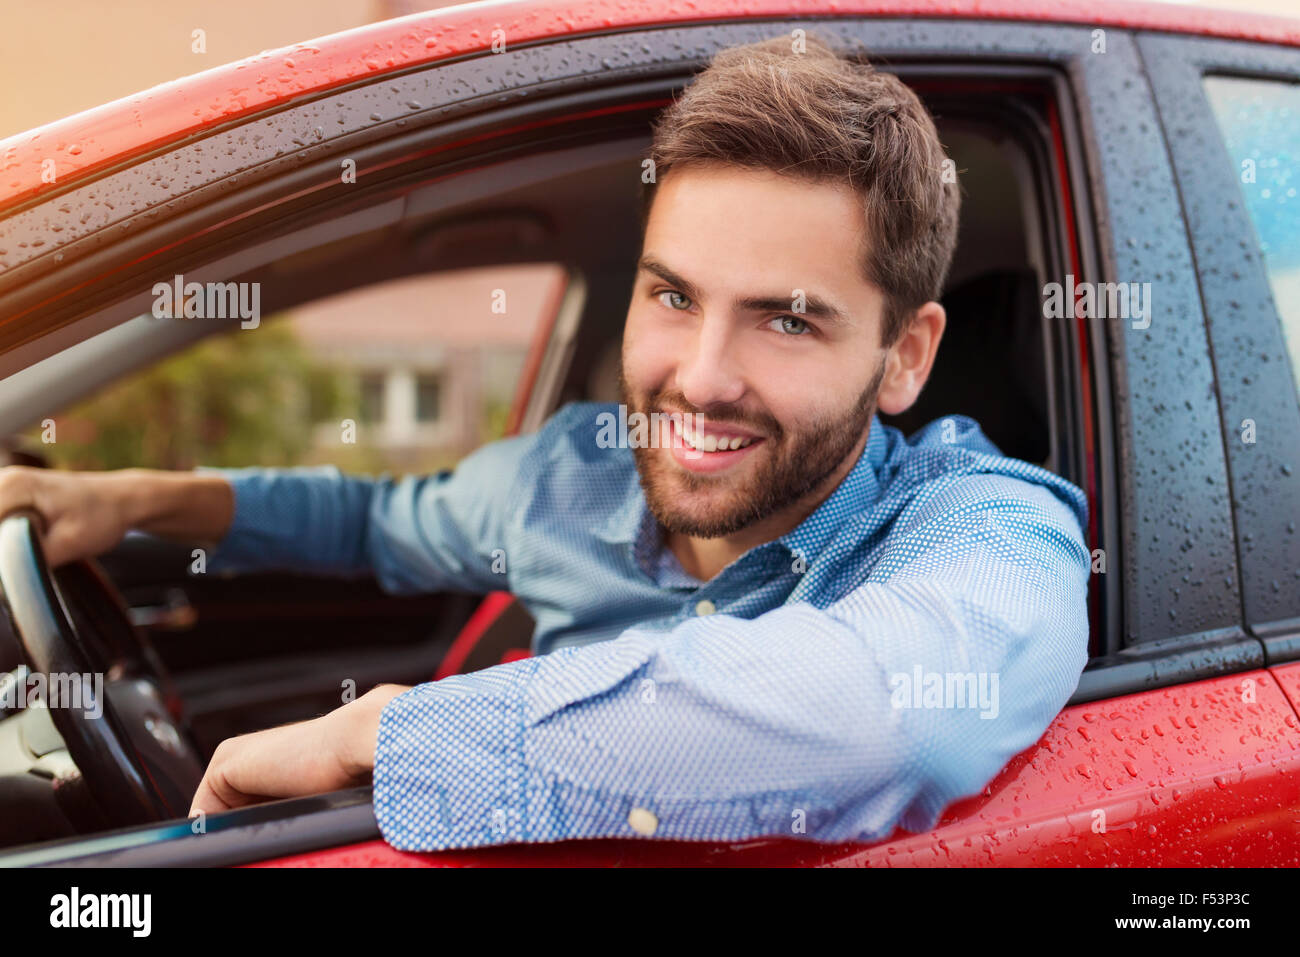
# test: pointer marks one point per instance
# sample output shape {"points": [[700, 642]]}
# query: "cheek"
{"points": [[818, 381], [648, 353], [800, 402]]}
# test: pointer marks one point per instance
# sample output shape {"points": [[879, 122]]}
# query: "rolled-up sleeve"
{"points": [[831, 724], [420, 533]]}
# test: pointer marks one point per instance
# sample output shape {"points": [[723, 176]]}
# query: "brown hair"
{"points": [[824, 117]]}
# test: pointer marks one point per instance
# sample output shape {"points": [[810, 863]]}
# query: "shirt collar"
{"points": [[632, 523]]}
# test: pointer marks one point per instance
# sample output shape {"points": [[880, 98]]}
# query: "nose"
{"points": [[710, 373]]}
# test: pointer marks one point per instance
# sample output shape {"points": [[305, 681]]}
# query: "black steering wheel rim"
{"points": [[138, 763]]}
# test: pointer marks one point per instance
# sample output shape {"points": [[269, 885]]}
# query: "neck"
{"points": [[705, 557]]}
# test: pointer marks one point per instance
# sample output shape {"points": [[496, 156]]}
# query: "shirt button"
{"points": [[705, 607], [642, 821]]}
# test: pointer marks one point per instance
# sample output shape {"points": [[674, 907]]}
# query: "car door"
{"points": [[1157, 736], [1229, 110]]}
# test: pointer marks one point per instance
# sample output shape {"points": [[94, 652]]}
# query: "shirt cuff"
{"points": [[225, 556], [449, 768]]}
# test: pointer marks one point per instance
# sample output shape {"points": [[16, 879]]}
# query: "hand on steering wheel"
{"points": [[130, 744]]}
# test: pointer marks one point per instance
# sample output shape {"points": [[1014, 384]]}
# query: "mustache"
{"points": [[719, 418]]}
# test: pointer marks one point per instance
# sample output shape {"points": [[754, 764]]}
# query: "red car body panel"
{"points": [[487, 611], [1288, 676], [1137, 781], [98, 138]]}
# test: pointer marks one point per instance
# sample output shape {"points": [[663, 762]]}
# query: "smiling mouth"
{"points": [[715, 442], [706, 454]]}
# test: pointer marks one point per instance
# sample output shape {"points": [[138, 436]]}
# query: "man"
{"points": [[827, 630]]}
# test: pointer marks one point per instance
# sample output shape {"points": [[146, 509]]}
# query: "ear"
{"points": [[910, 360]]}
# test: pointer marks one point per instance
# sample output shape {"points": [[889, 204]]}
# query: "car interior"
{"points": [[252, 651]]}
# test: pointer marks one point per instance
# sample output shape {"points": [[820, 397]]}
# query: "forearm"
{"points": [[309, 519], [358, 726], [183, 506]]}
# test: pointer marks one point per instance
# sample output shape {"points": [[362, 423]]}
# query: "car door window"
{"points": [[1260, 123], [403, 376]]}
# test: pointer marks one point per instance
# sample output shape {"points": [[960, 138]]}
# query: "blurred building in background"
{"points": [[434, 367]]}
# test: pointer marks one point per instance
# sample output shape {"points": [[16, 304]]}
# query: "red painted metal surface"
{"points": [[1205, 774], [487, 612], [1288, 676], [100, 137]]}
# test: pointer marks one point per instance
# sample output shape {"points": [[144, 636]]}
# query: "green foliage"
{"points": [[245, 397], [496, 415]]}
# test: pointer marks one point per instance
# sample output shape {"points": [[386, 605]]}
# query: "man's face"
{"points": [[712, 330]]}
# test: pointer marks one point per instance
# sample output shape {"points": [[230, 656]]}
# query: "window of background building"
{"points": [[372, 397], [428, 397]]}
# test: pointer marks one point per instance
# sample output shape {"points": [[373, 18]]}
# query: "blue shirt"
{"points": [[831, 684]]}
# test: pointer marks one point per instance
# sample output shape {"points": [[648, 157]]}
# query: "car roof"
{"points": [[99, 138]]}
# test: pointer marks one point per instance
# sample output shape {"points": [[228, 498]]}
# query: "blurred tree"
{"points": [[496, 416], [241, 398]]}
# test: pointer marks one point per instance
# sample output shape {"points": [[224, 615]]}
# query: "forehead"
{"points": [[738, 230]]}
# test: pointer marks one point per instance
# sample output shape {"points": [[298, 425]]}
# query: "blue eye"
{"points": [[803, 324], [673, 292]]}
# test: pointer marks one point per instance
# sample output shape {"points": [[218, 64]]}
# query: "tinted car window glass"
{"points": [[1260, 123]]}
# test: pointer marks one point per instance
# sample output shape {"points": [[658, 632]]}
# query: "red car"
{"points": [[1100, 142]]}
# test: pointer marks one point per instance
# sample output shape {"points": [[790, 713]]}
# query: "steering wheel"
{"points": [[125, 730]]}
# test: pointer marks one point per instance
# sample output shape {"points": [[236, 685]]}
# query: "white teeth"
{"points": [[711, 443]]}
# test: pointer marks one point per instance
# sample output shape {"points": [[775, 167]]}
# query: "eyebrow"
{"points": [[814, 305]]}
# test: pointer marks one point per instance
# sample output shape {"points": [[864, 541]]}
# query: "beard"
{"points": [[786, 468]]}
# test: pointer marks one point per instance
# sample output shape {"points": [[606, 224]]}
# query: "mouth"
{"points": [[711, 452]]}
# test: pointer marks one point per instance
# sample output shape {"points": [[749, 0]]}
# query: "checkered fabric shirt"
{"points": [[831, 684]]}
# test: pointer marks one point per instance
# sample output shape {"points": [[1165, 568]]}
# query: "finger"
{"points": [[206, 800], [218, 793]]}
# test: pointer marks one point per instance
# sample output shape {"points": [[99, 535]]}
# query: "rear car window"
{"points": [[1260, 124]]}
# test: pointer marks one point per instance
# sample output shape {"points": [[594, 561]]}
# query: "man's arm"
{"points": [[87, 513], [420, 533], [800, 722]]}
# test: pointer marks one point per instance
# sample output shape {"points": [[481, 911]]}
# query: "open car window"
{"points": [[402, 376]]}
